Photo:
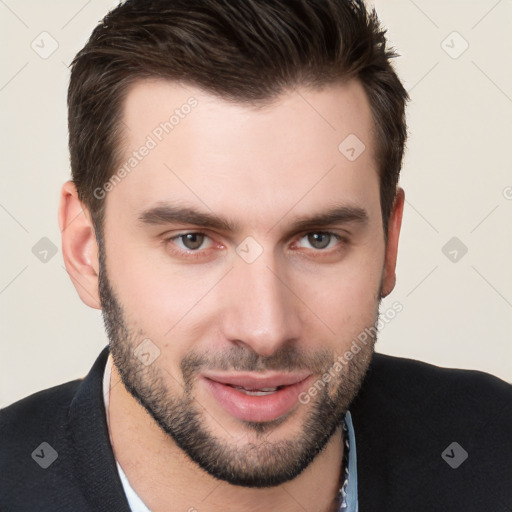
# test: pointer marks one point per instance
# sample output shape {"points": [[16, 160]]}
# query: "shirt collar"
{"points": [[348, 490]]}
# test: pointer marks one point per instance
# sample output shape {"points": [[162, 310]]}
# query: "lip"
{"points": [[251, 381], [257, 408]]}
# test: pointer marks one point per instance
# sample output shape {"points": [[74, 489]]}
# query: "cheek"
{"points": [[159, 298], [346, 298]]}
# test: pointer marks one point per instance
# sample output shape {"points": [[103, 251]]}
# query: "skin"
{"points": [[295, 304]]}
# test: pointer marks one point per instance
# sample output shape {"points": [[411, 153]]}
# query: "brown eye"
{"points": [[319, 240], [192, 241]]}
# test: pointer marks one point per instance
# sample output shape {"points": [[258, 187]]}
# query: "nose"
{"points": [[262, 311]]}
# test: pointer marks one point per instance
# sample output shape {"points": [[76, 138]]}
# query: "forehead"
{"points": [[305, 149]]}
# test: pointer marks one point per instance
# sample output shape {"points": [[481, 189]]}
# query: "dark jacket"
{"points": [[406, 417]]}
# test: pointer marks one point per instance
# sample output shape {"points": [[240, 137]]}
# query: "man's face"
{"points": [[244, 245]]}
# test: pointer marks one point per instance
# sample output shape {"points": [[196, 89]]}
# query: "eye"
{"points": [[189, 241], [320, 240]]}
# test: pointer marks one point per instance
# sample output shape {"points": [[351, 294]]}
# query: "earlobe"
{"points": [[394, 225], [79, 246]]}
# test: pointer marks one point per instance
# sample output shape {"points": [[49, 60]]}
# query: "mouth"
{"points": [[256, 392], [257, 399]]}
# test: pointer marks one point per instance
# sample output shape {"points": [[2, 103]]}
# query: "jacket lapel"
{"points": [[93, 458]]}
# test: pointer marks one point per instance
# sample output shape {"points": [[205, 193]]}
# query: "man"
{"points": [[235, 213]]}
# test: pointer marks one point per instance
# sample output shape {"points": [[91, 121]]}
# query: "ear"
{"points": [[79, 246], [394, 225]]}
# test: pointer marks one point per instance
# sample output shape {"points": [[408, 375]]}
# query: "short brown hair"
{"points": [[247, 51]]}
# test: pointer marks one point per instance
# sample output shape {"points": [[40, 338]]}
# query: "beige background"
{"points": [[457, 177]]}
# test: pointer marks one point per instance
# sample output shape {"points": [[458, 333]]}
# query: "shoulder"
{"points": [[436, 395], [54, 449], [416, 422], [38, 412], [32, 436], [409, 375], [410, 380]]}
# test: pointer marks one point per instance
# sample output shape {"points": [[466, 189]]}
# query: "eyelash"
{"points": [[200, 253]]}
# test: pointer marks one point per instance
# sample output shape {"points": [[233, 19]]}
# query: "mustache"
{"points": [[239, 358]]}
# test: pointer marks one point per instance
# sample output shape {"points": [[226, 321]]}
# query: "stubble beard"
{"points": [[259, 464]]}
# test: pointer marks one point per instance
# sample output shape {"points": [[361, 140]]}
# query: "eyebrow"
{"points": [[170, 214]]}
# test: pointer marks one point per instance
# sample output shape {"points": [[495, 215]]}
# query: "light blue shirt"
{"points": [[350, 501], [349, 497]]}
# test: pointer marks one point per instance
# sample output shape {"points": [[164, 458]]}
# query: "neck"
{"points": [[161, 473]]}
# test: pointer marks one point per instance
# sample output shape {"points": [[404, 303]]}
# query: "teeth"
{"points": [[256, 392]]}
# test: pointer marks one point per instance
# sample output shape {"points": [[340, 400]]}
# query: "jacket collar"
{"points": [[91, 452]]}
